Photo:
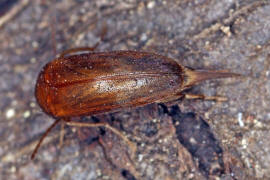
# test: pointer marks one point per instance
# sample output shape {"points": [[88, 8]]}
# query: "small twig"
{"points": [[13, 12], [242, 11]]}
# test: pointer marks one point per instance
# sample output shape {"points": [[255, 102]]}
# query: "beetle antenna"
{"points": [[43, 137]]}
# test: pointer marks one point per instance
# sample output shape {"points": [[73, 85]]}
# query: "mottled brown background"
{"points": [[209, 34]]}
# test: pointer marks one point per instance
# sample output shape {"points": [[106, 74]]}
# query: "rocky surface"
{"points": [[204, 34]]}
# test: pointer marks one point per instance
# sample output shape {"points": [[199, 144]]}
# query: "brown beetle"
{"points": [[100, 82]]}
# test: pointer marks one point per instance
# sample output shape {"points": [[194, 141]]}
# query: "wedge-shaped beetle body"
{"points": [[92, 83]]}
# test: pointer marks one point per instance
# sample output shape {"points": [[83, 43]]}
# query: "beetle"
{"points": [[100, 82]]}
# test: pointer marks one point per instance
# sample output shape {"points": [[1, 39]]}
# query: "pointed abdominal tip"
{"points": [[197, 76]]}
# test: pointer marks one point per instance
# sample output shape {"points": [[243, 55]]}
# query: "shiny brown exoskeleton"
{"points": [[100, 82]]}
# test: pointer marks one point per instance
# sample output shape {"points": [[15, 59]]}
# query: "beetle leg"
{"points": [[210, 98], [117, 132], [170, 98], [43, 137], [77, 50], [82, 49]]}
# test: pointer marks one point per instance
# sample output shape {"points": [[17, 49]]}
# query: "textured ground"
{"points": [[209, 34]]}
